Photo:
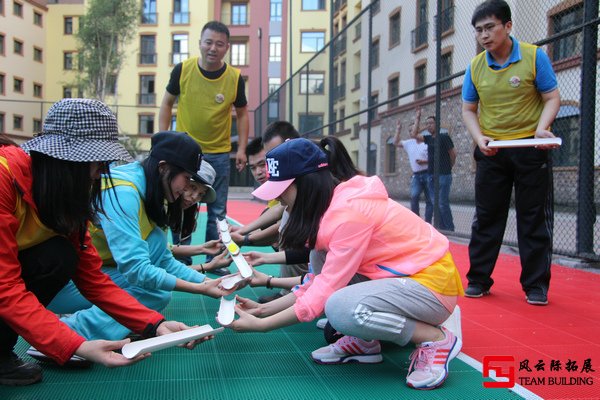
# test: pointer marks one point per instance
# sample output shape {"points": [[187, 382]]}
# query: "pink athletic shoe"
{"points": [[349, 349], [429, 366]]}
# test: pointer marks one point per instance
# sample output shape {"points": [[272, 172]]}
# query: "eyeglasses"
{"points": [[480, 30]]}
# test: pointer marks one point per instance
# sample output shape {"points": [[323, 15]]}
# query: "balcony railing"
{"points": [[146, 98], [149, 18], [176, 58], [447, 19], [180, 18], [419, 35], [147, 58]]}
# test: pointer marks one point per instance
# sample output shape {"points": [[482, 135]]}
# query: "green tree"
{"points": [[108, 25]]}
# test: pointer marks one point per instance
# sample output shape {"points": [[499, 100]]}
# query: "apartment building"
{"points": [[23, 61]]}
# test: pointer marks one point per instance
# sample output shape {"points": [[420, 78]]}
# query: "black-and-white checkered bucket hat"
{"points": [[81, 130]]}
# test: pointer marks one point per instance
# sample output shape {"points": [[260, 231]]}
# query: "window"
{"points": [[149, 12], [1, 13], [275, 48], [18, 9], [446, 66], [37, 125], [342, 124], [312, 83], [146, 123], [68, 57], [2, 79], [2, 129], [312, 41], [274, 84], [18, 85], [309, 122], [373, 100], [570, 45], [67, 92], [395, 29], [390, 150], [147, 49], [17, 122], [147, 94], [447, 15], [68, 26], [312, 5], [238, 54], [239, 14], [1, 44], [18, 47], [566, 126], [181, 12], [37, 18], [420, 80], [372, 160], [37, 90], [374, 54], [419, 34], [393, 91], [111, 85], [38, 54], [180, 48], [276, 10]]}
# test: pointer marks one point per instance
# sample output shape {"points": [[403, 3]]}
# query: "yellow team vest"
{"points": [[31, 230], [510, 106], [204, 106], [98, 236]]}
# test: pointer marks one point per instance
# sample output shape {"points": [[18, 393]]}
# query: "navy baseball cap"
{"points": [[288, 161]]}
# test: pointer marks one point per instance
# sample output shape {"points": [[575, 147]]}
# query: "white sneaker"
{"points": [[321, 323], [429, 366], [349, 349], [74, 362]]}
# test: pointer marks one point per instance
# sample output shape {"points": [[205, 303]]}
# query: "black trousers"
{"points": [[529, 170], [46, 268]]}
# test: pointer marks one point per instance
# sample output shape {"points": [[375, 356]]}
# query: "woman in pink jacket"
{"points": [[404, 283]]}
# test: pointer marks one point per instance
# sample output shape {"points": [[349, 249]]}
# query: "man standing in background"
{"points": [[417, 157], [513, 87], [207, 88]]}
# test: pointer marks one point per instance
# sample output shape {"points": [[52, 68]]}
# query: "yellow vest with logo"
{"points": [[510, 105], [204, 106], [31, 230], [98, 236]]}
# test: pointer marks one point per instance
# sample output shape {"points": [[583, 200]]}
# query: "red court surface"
{"points": [[555, 349]]}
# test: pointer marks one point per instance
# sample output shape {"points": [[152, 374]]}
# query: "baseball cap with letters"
{"points": [[288, 161]]}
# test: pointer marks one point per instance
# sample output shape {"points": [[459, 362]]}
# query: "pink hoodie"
{"points": [[366, 232]]}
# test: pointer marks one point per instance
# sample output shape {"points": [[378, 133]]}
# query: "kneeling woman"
{"points": [[130, 235], [404, 281]]}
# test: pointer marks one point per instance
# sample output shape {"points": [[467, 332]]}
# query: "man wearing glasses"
{"points": [[514, 88]]}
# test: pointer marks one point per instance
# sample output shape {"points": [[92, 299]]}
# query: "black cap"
{"points": [[178, 148]]}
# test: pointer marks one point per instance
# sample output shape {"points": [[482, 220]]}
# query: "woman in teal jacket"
{"points": [[131, 239]]}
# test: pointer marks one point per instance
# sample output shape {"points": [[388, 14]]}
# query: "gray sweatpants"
{"points": [[384, 309]]}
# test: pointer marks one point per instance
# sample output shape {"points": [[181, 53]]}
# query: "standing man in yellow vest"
{"points": [[207, 88], [513, 86]]}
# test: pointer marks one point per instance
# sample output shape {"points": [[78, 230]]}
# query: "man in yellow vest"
{"points": [[514, 88], [207, 88]]}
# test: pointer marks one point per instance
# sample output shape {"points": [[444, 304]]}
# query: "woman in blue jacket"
{"points": [[131, 239]]}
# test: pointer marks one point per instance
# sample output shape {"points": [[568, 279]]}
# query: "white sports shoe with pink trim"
{"points": [[349, 349], [429, 362]]}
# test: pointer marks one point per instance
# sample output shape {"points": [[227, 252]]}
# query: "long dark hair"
{"points": [[314, 193], [64, 193], [340, 163], [185, 225], [155, 193]]}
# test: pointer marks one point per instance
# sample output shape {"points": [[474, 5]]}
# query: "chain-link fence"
{"points": [[390, 59]]}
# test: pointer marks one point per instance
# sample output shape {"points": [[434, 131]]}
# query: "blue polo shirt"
{"points": [[545, 79]]}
